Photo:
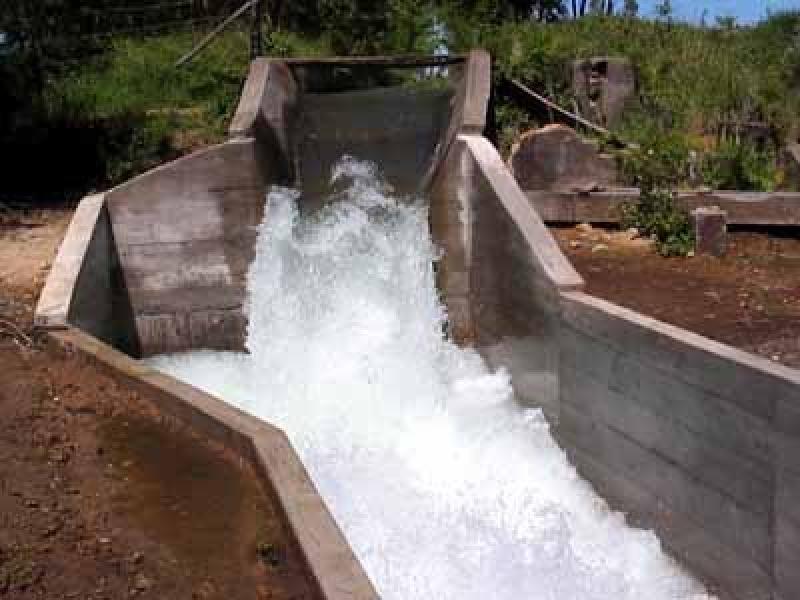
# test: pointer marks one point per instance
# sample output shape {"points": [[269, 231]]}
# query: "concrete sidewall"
{"points": [[691, 437]]}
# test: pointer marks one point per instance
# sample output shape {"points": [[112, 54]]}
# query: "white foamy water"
{"points": [[444, 487]]}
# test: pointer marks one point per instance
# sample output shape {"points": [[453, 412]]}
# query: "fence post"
{"points": [[256, 33]]}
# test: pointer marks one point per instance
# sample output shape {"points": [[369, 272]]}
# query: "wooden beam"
{"points": [[217, 30], [386, 61]]}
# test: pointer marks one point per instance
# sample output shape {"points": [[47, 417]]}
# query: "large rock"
{"points": [[555, 157], [603, 88]]}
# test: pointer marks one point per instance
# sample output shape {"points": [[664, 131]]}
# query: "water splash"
{"points": [[442, 484]]}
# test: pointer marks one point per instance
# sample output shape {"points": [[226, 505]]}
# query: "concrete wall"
{"points": [[85, 286], [267, 110], [691, 436], [501, 270], [185, 234], [742, 208]]}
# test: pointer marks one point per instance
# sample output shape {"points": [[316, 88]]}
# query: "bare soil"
{"points": [[749, 299], [100, 496]]}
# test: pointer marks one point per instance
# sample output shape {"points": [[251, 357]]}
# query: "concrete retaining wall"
{"points": [[685, 433], [690, 437], [331, 564]]}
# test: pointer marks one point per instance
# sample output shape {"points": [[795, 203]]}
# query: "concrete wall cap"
{"points": [[54, 302], [695, 340], [551, 260]]}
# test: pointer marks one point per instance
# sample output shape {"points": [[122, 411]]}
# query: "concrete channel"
{"points": [[694, 439]]}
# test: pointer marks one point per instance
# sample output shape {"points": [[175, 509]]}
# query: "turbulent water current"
{"points": [[443, 485]]}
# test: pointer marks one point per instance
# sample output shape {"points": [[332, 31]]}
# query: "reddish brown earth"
{"points": [[749, 299], [100, 497]]}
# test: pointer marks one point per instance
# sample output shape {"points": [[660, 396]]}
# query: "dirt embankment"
{"points": [[749, 299], [101, 497]]}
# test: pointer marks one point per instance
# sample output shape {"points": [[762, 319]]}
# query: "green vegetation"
{"points": [[657, 170], [127, 109], [119, 104], [656, 215], [700, 87]]}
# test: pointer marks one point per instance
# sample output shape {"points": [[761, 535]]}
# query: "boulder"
{"points": [[555, 157]]}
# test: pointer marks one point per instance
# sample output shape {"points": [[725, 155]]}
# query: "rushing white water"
{"points": [[443, 485]]}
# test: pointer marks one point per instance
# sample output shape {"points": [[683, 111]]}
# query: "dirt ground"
{"points": [[100, 497], [749, 299]]}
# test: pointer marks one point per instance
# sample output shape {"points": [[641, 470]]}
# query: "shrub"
{"points": [[656, 214], [740, 166]]}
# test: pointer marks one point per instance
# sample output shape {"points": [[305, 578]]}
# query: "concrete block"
{"points": [[710, 230]]}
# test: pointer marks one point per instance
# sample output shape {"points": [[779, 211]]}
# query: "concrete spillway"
{"points": [[432, 458], [407, 436]]}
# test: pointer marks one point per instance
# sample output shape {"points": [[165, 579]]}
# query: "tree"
{"points": [[631, 8], [602, 7], [727, 22], [598, 7], [664, 9], [495, 12]]}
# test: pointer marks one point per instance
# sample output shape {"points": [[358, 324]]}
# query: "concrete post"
{"points": [[256, 32], [710, 230]]}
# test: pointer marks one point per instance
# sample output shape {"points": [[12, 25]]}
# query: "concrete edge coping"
{"points": [[330, 560], [553, 262], [478, 89], [52, 309], [255, 85], [688, 338], [173, 164]]}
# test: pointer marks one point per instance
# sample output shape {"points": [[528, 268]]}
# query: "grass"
{"points": [[129, 109], [694, 82]]}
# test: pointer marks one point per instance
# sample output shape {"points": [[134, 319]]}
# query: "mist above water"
{"points": [[444, 487]]}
